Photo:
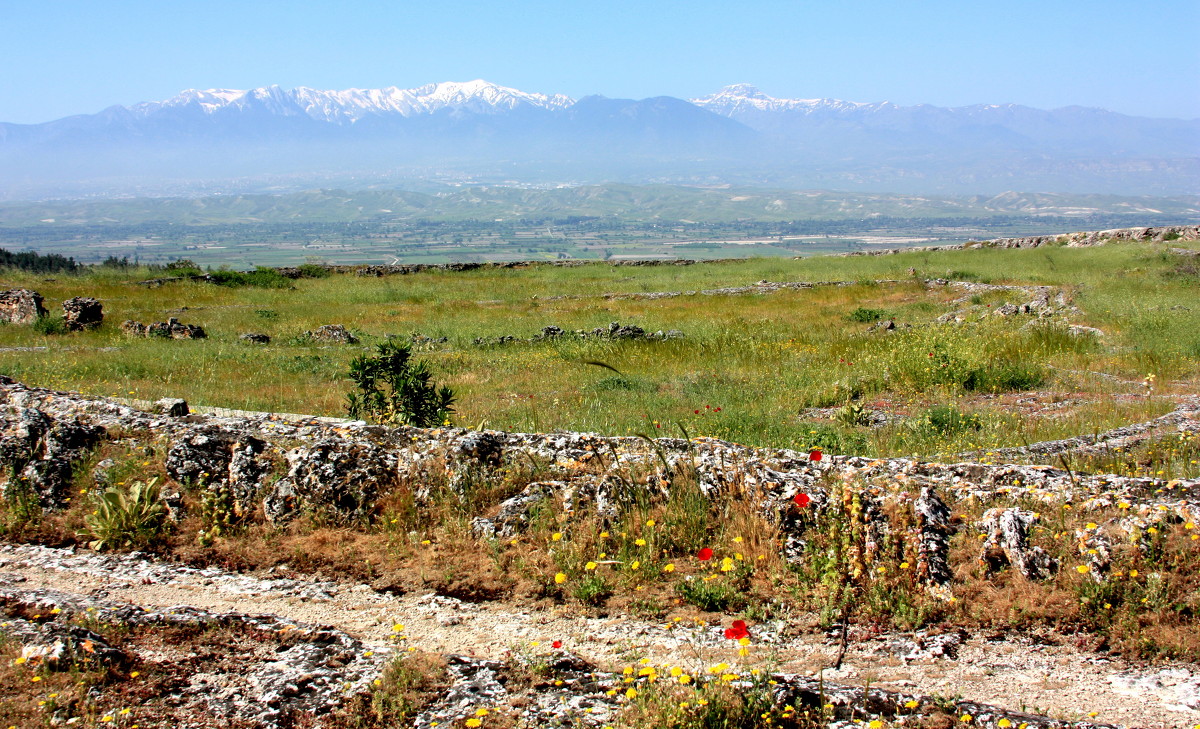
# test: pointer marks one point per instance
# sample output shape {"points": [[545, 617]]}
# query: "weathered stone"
{"points": [[169, 329], [213, 455], [933, 545], [336, 480], [133, 328], [255, 338], [172, 406], [1008, 544], [334, 333], [82, 312], [43, 451], [21, 306]]}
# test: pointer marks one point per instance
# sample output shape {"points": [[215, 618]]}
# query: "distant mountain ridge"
{"points": [[268, 138]]}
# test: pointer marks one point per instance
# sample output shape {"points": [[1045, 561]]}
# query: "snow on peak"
{"points": [[743, 98], [351, 105]]}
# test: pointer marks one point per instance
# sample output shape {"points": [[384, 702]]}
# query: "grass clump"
{"points": [[409, 683]]}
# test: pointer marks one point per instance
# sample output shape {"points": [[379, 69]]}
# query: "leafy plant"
{"points": [[862, 314], [50, 325], [133, 516], [392, 389]]}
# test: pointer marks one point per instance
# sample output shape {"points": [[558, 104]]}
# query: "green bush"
{"points": [[130, 517], [313, 270], [391, 389], [50, 325], [864, 315], [263, 278]]}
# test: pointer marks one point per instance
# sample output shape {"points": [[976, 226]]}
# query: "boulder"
{"points": [[335, 333], [172, 406], [82, 312], [21, 306], [255, 338]]}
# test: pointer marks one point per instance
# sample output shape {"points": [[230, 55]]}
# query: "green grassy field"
{"points": [[760, 358]]}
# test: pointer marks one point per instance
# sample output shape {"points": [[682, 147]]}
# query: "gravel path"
{"points": [[1045, 675]]}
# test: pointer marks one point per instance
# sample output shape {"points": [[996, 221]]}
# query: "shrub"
{"points": [[391, 389], [126, 517], [264, 278], [313, 270], [864, 315], [947, 420], [50, 325]]}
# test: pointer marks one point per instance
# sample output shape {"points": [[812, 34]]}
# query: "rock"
{"points": [[333, 333], [169, 329], [337, 480], [933, 549], [42, 452], [173, 406], [255, 338], [215, 456], [82, 312], [1078, 330], [21, 306], [133, 328], [64, 647], [1008, 544]]}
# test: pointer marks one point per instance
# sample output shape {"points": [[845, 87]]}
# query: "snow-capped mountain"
{"points": [[738, 99], [479, 129], [352, 105]]}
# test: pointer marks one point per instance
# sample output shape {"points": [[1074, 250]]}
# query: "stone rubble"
{"points": [[169, 329], [82, 312]]}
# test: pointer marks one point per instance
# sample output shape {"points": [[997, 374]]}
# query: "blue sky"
{"points": [[78, 56]]}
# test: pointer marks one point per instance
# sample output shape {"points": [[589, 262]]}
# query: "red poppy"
{"points": [[716, 410], [801, 500], [738, 631], [815, 455], [557, 644], [697, 412], [704, 554]]}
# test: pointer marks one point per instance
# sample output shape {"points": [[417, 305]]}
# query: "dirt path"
{"points": [[1047, 675]]}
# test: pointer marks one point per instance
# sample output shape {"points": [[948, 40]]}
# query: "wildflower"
{"points": [[1133, 573], [815, 455], [685, 679], [590, 566], [965, 718], [640, 542], [738, 631], [474, 723], [556, 644], [556, 536], [801, 500], [560, 578], [481, 712], [1083, 569], [726, 564], [1004, 723], [650, 522], [604, 535], [635, 565], [670, 567], [737, 540], [911, 704], [704, 554], [875, 724], [631, 693]]}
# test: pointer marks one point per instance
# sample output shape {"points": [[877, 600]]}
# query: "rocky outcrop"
{"points": [[169, 329], [40, 453], [21, 306], [1008, 544], [615, 331], [332, 334], [82, 312], [336, 480], [255, 338]]}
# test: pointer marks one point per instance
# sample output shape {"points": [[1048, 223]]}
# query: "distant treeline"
{"points": [[37, 263]]}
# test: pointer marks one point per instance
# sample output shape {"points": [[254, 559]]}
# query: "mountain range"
{"points": [[272, 139]]}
